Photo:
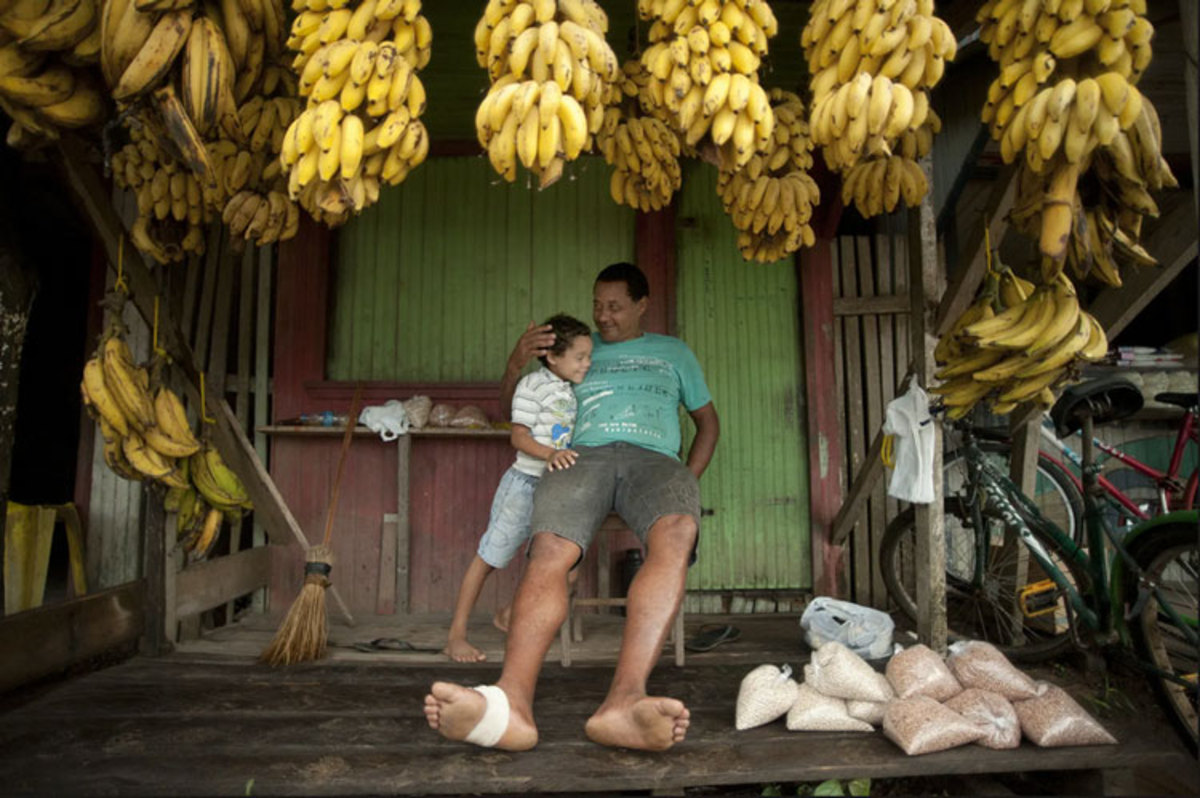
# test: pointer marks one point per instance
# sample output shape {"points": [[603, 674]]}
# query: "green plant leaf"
{"points": [[830, 787], [771, 791], [860, 786], [250, 787]]}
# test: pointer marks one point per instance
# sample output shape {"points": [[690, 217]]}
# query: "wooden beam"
{"points": [[930, 522], [855, 502], [202, 586], [815, 267], [965, 281], [51, 639], [230, 439], [1173, 242], [870, 305], [1189, 12]]}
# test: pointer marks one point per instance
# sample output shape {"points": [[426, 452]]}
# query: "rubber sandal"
{"points": [[711, 636], [390, 644]]}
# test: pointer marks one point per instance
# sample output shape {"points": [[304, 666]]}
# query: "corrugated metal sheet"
{"points": [[436, 281], [741, 320]]}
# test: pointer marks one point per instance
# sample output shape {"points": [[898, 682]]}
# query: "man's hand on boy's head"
{"points": [[534, 342], [562, 458]]}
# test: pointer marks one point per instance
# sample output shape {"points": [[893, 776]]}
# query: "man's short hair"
{"points": [[633, 277]]}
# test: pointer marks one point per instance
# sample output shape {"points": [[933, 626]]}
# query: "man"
{"points": [[628, 438]]}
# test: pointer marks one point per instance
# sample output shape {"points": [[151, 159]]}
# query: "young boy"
{"points": [[543, 417]]}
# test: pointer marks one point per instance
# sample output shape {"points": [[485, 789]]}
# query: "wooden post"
{"points": [[403, 456], [824, 436], [229, 438], [1190, 15], [154, 563], [931, 533]]}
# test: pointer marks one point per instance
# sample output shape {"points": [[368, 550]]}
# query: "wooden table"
{"points": [[393, 577]]}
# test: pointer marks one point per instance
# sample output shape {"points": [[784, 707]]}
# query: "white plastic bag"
{"points": [[388, 419], [865, 631], [766, 693], [907, 419], [837, 671]]}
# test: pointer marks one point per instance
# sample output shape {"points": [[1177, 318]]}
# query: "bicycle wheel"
{"points": [[987, 609], [1055, 493], [1170, 557]]}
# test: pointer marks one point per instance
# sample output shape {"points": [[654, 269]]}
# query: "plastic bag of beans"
{"points": [[976, 663], [766, 693], [869, 711], [417, 410], [993, 712], [1053, 719], [813, 711], [441, 415], [919, 670], [839, 672], [920, 725]]}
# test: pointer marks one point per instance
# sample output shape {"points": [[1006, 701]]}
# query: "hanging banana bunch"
{"points": [[1015, 344], [703, 62], [1066, 104], [552, 75], [641, 147], [43, 86], [873, 64], [357, 64], [771, 198]]}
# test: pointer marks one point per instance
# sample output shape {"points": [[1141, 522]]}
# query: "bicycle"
{"points": [[1058, 490], [1016, 579]]}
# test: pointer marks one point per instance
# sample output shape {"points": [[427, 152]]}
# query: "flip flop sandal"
{"points": [[711, 636], [390, 644]]}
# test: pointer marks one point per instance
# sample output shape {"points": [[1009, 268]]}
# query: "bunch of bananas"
{"points": [[1014, 344], [771, 198], [172, 209], [197, 525], [873, 64], [42, 88], [146, 431], [703, 62], [1066, 100], [645, 155], [357, 63], [552, 74]]}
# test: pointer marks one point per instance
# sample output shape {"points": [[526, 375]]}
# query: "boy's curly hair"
{"points": [[566, 329]]}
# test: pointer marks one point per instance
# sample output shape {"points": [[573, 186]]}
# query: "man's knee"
{"points": [[672, 535], [552, 551]]}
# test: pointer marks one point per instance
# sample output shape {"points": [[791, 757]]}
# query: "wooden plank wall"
{"points": [[222, 299], [871, 342]]}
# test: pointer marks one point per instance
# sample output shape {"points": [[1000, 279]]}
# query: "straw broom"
{"points": [[303, 634]]}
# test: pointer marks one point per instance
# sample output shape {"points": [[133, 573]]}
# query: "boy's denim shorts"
{"points": [[638, 484], [508, 527]]}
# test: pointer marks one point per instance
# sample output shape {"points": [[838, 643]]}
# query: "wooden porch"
{"points": [[207, 719]]}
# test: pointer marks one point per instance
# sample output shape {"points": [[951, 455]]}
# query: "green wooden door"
{"points": [[436, 281], [742, 321]]}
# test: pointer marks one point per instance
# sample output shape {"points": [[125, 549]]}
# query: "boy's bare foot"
{"points": [[460, 650], [453, 711], [650, 723], [502, 618]]}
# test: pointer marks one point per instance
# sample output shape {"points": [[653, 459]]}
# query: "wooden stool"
{"points": [[28, 535], [572, 628]]}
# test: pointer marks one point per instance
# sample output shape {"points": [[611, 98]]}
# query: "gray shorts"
{"points": [[639, 485]]}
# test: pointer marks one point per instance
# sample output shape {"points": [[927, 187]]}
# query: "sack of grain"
{"points": [[813, 711], [919, 670], [920, 725], [766, 693], [976, 663], [869, 711], [839, 672], [417, 410], [1053, 718], [992, 711]]}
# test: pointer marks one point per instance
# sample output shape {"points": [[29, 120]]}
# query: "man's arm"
{"points": [[708, 429], [534, 342]]}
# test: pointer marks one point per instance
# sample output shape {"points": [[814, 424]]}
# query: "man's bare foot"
{"points": [[502, 617], [453, 711], [460, 650], [651, 723]]}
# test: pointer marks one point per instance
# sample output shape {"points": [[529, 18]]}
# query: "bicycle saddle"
{"points": [[1106, 399], [1184, 400]]}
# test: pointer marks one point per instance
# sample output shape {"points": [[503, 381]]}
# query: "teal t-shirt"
{"points": [[633, 391]]}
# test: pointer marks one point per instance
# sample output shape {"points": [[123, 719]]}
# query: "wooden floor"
{"points": [[208, 720]]}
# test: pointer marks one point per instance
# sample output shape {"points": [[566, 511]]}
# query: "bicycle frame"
{"points": [[1166, 482], [1018, 512]]}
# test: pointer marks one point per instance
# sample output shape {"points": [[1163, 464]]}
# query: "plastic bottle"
{"points": [[327, 418]]}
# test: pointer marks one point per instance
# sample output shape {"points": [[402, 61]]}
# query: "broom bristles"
{"points": [[302, 635]]}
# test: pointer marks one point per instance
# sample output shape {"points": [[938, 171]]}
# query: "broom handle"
{"points": [[351, 423]]}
